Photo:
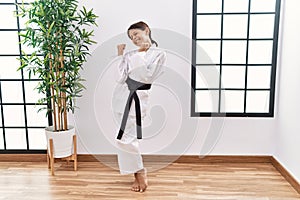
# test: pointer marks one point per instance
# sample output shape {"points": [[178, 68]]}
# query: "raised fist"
{"points": [[121, 48]]}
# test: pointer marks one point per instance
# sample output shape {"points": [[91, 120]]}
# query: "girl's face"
{"points": [[139, 37]]}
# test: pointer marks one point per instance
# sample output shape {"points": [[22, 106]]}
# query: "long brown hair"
{"points": [[142, 26]]}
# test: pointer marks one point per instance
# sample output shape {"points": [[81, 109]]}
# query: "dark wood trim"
{"points": [[223, 159], [23, 158], [183, 159], [97, 158], [288, 177]]}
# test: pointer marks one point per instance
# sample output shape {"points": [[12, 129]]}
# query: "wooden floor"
{"points": [[251, 181]]}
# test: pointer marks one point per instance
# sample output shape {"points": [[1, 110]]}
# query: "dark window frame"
{"points": [[246, 64], [23, 80]]}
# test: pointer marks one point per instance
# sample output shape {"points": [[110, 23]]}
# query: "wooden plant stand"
{"points": [[51, 159]]}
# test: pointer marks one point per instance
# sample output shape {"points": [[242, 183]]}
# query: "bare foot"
{"points": [[135, 186], [142, 179]]}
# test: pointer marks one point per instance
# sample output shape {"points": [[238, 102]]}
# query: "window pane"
{"points": [[236, 5], [207, 76], [7, 13], [32, 95], [8, 68], [235, 26], [37, 139], [261, 26], [1, 139], [209, 6], [1, 125], [12, 92], [234, 52], [233, 76], [263, 5], [208, 52], [15, 138], [260, 52], [9, 42], [22, 21], [232, 101], [14, 115], [207, 101], [257, 101], [259, 77], [209, 26], [27, 50], [35, 118]]}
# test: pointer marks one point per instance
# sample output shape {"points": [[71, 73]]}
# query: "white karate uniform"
{"points": [[143, 67]]}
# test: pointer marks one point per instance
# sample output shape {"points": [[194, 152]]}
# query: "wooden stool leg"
{"points": [[51, 157], [75, 152], [48, 158]]}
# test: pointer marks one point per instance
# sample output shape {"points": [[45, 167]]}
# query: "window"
{"points": [[21, 127], [234, 57]]}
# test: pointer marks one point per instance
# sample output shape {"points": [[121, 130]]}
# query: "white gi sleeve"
{"points": [[156, 68], [123, 69]]}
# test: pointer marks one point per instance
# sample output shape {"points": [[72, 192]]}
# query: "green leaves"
{"points": [[62, 36]]}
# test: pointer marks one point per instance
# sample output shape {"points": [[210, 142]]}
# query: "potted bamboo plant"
{"points": [[56, 30]]}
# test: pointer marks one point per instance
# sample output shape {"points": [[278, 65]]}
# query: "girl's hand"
{"points": [[121, 48]]}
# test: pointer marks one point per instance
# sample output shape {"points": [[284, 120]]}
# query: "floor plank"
{"points": [[184, 181]]}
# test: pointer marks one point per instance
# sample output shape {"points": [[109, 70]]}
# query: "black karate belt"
{"points": [[133, 86]]}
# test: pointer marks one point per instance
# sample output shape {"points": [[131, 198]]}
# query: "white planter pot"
{"points": [[62, 141]]}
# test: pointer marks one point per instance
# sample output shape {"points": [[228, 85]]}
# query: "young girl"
{"points": [[138, 69]]}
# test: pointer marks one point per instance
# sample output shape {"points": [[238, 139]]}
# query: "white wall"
{"points": [[96, 129], [287, 130]]}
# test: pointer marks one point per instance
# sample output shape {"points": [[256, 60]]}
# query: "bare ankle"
{"points": [[142, 170]]}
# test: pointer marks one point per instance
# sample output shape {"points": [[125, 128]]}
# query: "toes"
{"points": [[135, 189], [143, 188], [143, 181]]}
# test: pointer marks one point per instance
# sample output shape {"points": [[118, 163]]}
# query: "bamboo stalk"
{"points": [[65, 117], [60, 94], [58, 91], [58, 100], [52, 95], [63, 93]]}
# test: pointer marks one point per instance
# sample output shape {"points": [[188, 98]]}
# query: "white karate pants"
{"points": [[129, 157]]}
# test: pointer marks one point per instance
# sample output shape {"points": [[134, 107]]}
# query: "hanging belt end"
{"points": [[120, 134]]}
